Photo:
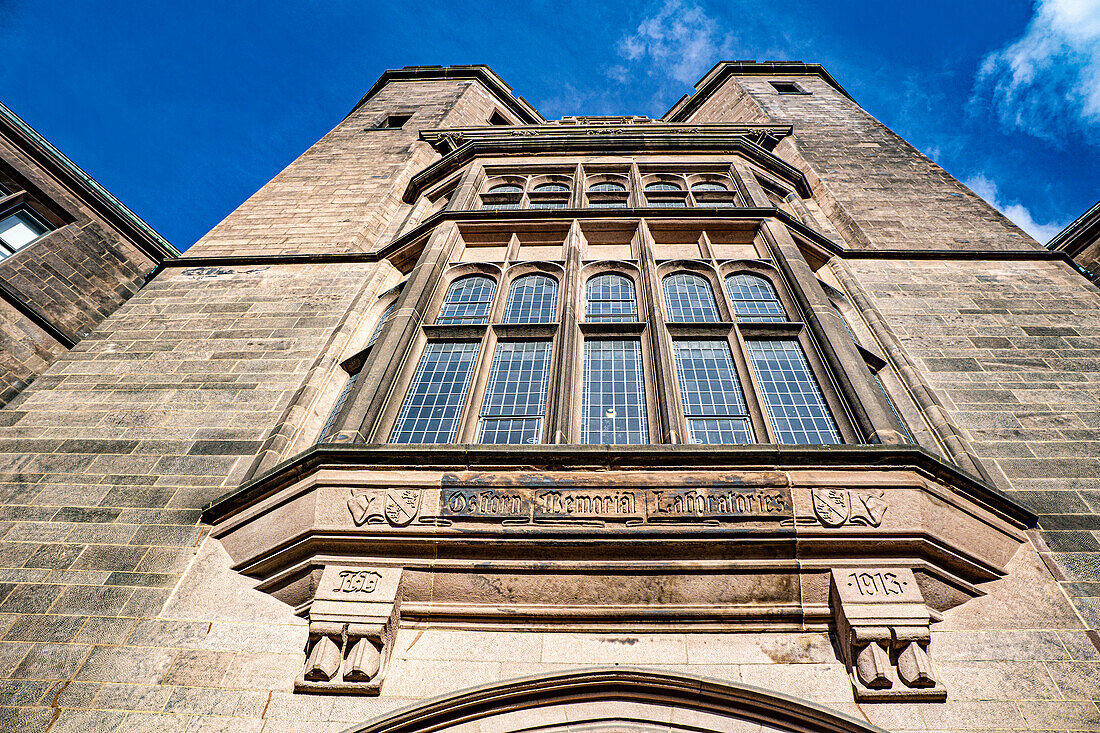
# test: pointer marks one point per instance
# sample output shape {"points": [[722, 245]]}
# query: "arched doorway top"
{"points": [[539, 702]]}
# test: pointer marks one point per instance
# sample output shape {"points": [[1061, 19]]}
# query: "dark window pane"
{"points": [[381, 323], [613, 407], [330, 423], [663, 186], [689, 299], [437, 394], [468, 301], [754, 299], [611, 299], [795, 405], [607, 186], [515, 398], [533, 299], [714, 404]]}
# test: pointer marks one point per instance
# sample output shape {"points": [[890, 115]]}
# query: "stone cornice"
{"points": [[631, 140], [1082, 232], [721, 71], [650, 457], [86, 188], [479, 72]]}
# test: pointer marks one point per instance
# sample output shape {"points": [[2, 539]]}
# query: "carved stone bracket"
{"points": [[882, 624], [353, 622]]}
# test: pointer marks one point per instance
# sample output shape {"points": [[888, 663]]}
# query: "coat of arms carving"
{"points": [[836, 507], [398, 507]]}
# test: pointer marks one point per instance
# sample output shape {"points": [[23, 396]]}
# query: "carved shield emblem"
{"points": [[402, 506], [832, 506]]}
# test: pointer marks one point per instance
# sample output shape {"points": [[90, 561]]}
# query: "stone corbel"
{"points": [[353, 622], [882, 624]]}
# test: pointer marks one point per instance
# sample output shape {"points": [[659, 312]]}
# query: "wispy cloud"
{"points": [[679, 39], [1017, 213], [1049, 77]]}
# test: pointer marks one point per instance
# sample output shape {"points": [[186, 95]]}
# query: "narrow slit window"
{"points": [[382, 319], [754, 300], [893, 407], [613, 405], [468, 301], [515, 397], [610, 299], [330, 423], [710, 390], [437, 395], [532, 299], [793, 400], [689, 299]]}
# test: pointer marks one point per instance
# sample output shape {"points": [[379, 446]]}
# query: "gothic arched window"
{"points": [[689, 299], [610, 298], [754, 300], [468, 301], [532, 299]]}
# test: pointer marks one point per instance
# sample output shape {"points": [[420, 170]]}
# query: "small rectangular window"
{"points": [[498, 119], [394, 122], [437, 393], [515, 398], [787, 87], [613, 405], [710, 390], [792, 398], [18, 229]]}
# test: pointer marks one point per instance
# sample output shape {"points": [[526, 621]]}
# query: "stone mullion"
{"points": [[660, 344], [749, 186], [873, 418], [359, 420], [566, 379]]}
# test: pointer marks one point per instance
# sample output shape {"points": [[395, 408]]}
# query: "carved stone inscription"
{"points": [[635, 505]]}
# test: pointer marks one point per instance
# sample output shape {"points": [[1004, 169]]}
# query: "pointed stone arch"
{"points": [[620, 699]]}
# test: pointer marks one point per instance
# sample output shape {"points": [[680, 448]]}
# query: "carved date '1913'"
{"points": [[877, 584], [357, 581]]}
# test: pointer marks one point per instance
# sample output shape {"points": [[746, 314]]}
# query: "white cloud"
{"points": [[680, 38], [1050, 76], [1016, 212]]}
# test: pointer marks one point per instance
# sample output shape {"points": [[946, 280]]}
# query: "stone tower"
{"points": [[746, 418]]}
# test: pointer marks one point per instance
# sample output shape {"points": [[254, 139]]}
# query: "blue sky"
{"points": [[183, 110]]}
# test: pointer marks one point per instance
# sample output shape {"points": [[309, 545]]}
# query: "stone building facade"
{"points": [[747, 418], [70, 254]]}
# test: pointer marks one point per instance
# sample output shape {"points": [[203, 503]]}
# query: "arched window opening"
{"points": [[550, 196], [382, 319], [610, 299], [607, 195], [689, 299], [665, 195], [502, 196], [663, 186], [468, 301], [532, 299], [708, 186], [608, 187], [754, 300]]}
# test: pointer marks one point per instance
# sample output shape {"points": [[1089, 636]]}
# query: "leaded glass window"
{"points": [[607, 187], [710, 390], [468, 301], [754, 300], [550, 196], [663, 186], [532, 299], [610, 299], [381, 323], [708, 186], [613, 405], [437, 394], [330, 423], [792, 398], [689, 299], [515, 398], [502, 196]]}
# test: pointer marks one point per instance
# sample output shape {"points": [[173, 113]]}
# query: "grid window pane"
{"points": [[709, 186], [506, 188], [558, 187], [20, 229], [515, 398], [532, 299], [754, 299], [893, 408], [381, 323], [437, 394], [607, 186], [714, 404], [468, 301], [689, 299], [795, 405], [663, 187], [613, 407], [611, 298], [330, 423], [548, 203]]}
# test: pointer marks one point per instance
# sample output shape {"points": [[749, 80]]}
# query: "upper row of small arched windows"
{"points": [[667, 192], [610, 297]]}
